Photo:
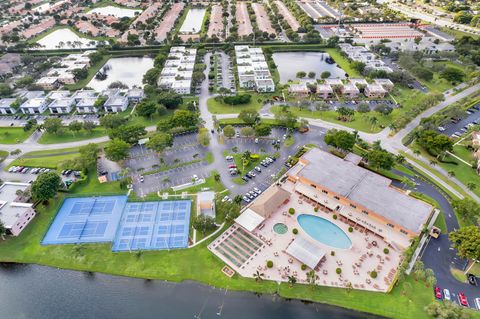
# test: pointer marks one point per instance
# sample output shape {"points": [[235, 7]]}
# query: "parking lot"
{"points": [[457, 129], [266, 177]]}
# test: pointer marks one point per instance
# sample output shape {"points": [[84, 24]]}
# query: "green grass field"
{"points": [[342, 62], [46, 162], [69, 136], [13, 135], [222, 108]]}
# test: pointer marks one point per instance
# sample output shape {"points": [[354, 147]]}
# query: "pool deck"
{"points": [[356, 262]]}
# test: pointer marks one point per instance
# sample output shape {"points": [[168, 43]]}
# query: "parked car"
{"points": [[258, 169], [462, 299], [438, 292], [229, 158], [256, 190], [226, 198], [245, 178], [232, 166], [142, 179], [245, 198], [477, 303], [446, 294]]}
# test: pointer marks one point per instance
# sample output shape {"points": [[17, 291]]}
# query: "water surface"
{"points": [[128, 70], [36, 292], [65, 39], [115, 11], [289, 63], [193, 21]]}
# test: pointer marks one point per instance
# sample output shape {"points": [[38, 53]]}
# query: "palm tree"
{"points": [[451, 174], [237, 199], [78, 250], [258, 276], [433, 162], [292, 280], [139, 254], [373, 121], [471, 186], [416, 152], [3, 229], [312, 277], [400, 159]]}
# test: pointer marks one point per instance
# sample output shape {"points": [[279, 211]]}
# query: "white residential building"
{"points": [[362, 54], [178, 69], [252, 68], [48, 83], [34, 106], [87, 105], [6, 106], [61, 106], [15, 211], [116, 103]]}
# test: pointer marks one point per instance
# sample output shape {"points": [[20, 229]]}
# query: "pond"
{"points": [[30, 291], [128, 70], [115, 11], [193, 21], [65, 39], [289, 63]]}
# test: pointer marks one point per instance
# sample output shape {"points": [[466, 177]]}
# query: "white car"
{"points": [[441, 128], [195, 177], [446, 294], [226, 198], [477, 303], [256, 190], [245, 198]]}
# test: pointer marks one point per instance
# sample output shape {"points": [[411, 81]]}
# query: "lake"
{"points": [[115, 11], [289, 63], [31, 291], [65, 39], [193, 21], [128, 70]]}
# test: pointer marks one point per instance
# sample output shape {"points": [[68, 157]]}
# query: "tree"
{"points": [[46, 186], [434, 143], [151, 76], [287, 119], [380, 159], [346, 112], [358, 66], [467, 208], [383, 109], [446, 310], [467, 242], [88, 154], [325, 75], [89, 126], [363, 107], [52, 125], [117, 150], [160, 141], [203, 137], [311, 75], [340, 139], [301, 74], [312, 277], [452, 74], [3, 229], [292, 280], [249, 116], [263, 130], [229, 131], [258, 276], [184, 118], [75, 126], [5, 90], [129, 133], [80, 74], [204, 223], [171, 100], [146, 108], [247, 131], [111, 121]]}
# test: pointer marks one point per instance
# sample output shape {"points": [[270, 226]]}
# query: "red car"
{"points": [[232, 166], [438, 292], [463, 299]]}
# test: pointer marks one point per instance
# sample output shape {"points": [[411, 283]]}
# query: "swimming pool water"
{"points": [[280, 228], [324, 231]]}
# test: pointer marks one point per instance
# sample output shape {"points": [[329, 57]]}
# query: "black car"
{"points": [[245, 178]]}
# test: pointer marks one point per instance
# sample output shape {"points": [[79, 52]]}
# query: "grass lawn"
{"points": [[342, 62], [464, 173], [222, 108], [44, 161], [199, 264], [68, 136], [13, 135], [3, 155]]}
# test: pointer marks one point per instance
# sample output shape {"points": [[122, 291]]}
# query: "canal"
{"points": [[37, 292]]}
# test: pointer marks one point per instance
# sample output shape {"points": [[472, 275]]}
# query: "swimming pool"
{"points": [[324, 231], [280, 228]]}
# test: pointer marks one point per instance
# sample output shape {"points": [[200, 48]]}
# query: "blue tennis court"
{"points": [[86, 220], [153, 226]]}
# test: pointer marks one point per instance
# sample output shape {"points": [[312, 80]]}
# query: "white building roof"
{"points": [[306, 251], [10, 210], [249, 220]]}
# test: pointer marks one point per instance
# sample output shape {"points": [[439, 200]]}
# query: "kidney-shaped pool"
{"points": [[324, 231]]}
